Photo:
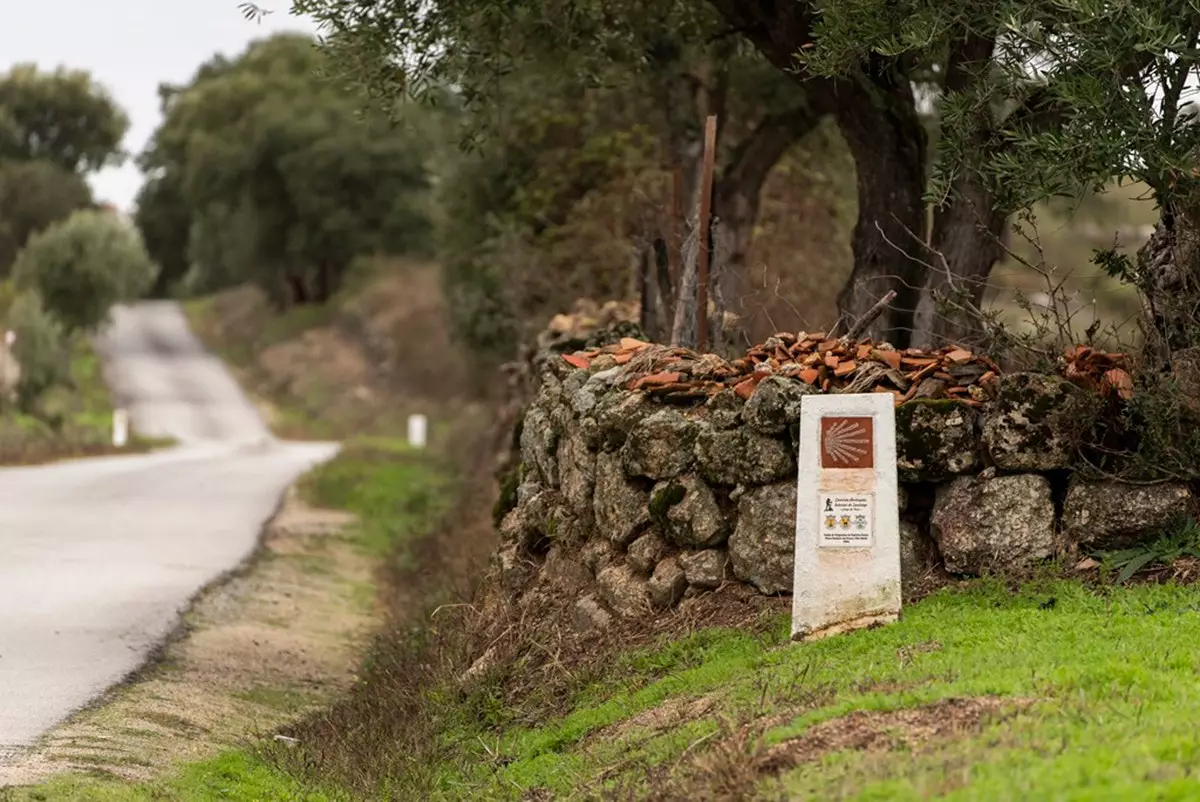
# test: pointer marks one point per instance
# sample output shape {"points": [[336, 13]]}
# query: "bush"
{"points": [[41, 348], [84, 265]]}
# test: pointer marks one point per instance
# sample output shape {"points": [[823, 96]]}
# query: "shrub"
{"points": [[40, 348], [84, 265]]}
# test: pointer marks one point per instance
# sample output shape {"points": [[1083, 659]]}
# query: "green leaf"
{"points": [[1135, 565]]}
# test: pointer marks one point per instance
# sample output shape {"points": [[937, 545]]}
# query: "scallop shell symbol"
{"points": [[845, 441]]}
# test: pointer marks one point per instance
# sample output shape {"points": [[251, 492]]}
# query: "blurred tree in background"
{"points": [[82, 266], [62, 117], [266, 170], [33, 195]]}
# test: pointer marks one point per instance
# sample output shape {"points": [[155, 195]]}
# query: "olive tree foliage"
{"points": [[1024, 92], [1055, 99], [265, 169], [84, 265], [33, 195], [61, 116], [662, 66]]}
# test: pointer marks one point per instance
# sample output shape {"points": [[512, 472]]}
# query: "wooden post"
{"points": [[706, 186]]}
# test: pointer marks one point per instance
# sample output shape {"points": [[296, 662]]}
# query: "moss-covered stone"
{"points": [[936, 439], [743, 457], [660, 446], [1036, 422]]}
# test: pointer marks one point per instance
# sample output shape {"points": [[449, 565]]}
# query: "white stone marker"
{"points": [[418, 428], [120, 428], [847, 517]]}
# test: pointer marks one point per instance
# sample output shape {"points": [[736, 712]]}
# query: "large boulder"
{"points": [[704, 570], [763, 546], [775, 405], [935, 439], [743, 457], [986, 524], [1036, 422], [577, 472], [1101, 516], [667, 584], [688, 512], [660, 446], [913, 558], [723, 410], [645, 552], [564, 570], [617, 413], [539, 442], [621, 506], [624, 591]]}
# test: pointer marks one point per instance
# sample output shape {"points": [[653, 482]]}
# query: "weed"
{"points": [[1181, 540]]}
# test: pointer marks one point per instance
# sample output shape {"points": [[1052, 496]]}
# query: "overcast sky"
{"points": [[131, 46]]}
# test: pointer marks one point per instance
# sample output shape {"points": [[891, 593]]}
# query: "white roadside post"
{"points": [[120, 428], [418, 429], [847, 518]]}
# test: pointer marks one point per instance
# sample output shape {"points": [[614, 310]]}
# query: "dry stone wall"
{"points": [[631, 504]]}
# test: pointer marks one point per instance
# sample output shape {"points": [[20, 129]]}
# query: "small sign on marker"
{"points": [[847, 520]]}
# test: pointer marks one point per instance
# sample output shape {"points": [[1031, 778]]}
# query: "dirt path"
{"points": [[278, 638]]}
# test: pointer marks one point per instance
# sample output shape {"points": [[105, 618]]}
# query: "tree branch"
{"points": [[756, 155]]}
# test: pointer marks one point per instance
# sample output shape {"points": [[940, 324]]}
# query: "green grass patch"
{"points": [[396, 492], [1102, 683], [233, 776]]}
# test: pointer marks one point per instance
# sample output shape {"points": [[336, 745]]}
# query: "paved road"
{"points": [[98, 557]]}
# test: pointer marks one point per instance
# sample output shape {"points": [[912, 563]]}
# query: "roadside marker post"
{"points": [[847, 573], [120, 428], [418, 430]]}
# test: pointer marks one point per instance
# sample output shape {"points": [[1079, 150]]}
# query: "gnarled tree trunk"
{"points": [[878, 119], [965, 244], [738, 193], [877, 115]]}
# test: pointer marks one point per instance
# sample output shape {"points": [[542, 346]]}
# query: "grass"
{"points": [[72, 421], [1091, 694], [233, 776], [396, 492]]}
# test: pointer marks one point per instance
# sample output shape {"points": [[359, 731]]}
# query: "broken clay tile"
{"points": [[809, 375], [623, 357], [745, 388], [889, 358], [831, 361], [577, 361], [959, 355], [630, 344], [1120, 381], [657, 378], [845, 368]]}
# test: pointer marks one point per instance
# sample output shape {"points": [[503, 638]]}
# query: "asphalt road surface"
{"points": [[99, 557]]}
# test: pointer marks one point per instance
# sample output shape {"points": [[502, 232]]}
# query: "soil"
{"points": [[273, 641]]}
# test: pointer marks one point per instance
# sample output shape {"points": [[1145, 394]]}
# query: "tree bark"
{"points": [[878, 119], [738, 193], [876, 113], [966, 240]]}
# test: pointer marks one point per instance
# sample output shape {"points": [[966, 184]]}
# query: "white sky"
{"points": [[131, 46]]}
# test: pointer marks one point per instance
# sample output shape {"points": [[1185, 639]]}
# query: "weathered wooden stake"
{"points": [[706, 186]]}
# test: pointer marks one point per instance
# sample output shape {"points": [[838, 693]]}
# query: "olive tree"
{"points": [[82, 266]]}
